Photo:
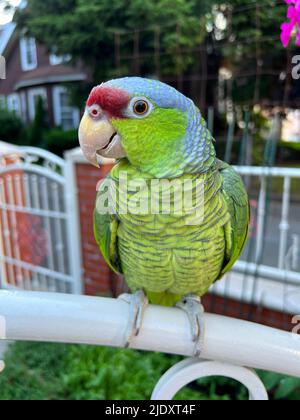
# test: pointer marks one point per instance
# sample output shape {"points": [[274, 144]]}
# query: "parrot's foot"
{"points": [[191, 305], [138, 303]]}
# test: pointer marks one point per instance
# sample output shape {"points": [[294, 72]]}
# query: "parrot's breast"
{"points": [[174, 252]]}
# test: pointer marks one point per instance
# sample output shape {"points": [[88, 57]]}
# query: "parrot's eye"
{"points": [[95, 111], [140, 107]]}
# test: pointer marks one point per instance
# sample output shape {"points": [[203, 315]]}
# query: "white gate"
{"points": [[38, 250]]}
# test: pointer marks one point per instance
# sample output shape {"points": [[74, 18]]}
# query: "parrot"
{"points": [[155, 133]]}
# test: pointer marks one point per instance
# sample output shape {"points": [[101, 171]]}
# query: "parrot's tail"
{"points": [[163, 299]]}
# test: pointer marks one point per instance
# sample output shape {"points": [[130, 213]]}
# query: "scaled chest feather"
{"points": [[166, 211]]}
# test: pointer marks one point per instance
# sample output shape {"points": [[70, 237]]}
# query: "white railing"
{"points": [[287, 174], [276, 285], [230, 347], [253, 281]]}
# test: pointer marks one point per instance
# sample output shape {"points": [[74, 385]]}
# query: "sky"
{"points": [[6, 17]]}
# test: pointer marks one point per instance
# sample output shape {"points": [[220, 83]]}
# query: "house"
{"points": [[31, 72], [291, 126]]}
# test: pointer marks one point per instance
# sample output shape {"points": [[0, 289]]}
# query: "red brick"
{"points": [[97, 275]]}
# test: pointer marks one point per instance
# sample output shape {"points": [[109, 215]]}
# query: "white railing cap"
{"points": [[101, 321]]}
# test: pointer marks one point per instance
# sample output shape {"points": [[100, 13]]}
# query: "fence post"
{"points": [[74, 237], [284, 226]]}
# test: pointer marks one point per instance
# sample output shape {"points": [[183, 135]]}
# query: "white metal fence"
{"points": [[40, 249], [268, 273], [36, 223]]}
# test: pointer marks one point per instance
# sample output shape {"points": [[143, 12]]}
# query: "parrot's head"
{"points": [[151, 124]]}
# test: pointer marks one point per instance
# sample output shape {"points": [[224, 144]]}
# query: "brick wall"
{"points": [[98, 279]]}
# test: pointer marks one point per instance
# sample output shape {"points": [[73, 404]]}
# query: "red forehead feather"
{"points": [[111, 100]]}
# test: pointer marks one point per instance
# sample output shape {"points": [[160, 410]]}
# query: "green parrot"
{"points": [[158, 136]]}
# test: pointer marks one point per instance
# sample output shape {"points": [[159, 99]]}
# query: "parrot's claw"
{"points": [[138, 303], [191, 305]]}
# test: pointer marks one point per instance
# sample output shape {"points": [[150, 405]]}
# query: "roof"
{"points": [[6, 32], [50, 74]]}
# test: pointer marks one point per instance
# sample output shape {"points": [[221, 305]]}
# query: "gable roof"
{"points": [[6, 32]]}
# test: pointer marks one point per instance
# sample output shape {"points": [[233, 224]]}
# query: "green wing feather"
{"points": [[238, 204], [106, 235]]}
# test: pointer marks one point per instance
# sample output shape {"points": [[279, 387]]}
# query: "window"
{"points": [[33, 96], [2, 102], [14, 104], [65, 115], [23, 105], [28, 54], [55, 60]]}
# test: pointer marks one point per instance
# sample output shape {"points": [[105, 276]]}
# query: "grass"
{"points": [[36, 371]]}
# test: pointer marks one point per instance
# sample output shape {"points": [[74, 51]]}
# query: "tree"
{"points": [[91, 31], [172, 40], [260, 64]]}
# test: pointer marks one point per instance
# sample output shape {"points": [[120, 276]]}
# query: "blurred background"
{"points": [[226, 56]]}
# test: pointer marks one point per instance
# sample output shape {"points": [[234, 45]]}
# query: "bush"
{"points": [[11, 127], [33, 372], [289, 152], [39, 125], [37, 371], [290, 145], [58, 140], [55, 140], [38, 134]]}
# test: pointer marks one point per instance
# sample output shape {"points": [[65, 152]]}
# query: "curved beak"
{"points": [[99, 139]]}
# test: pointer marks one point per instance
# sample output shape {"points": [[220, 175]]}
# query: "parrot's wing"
{"points": [[105, 231], [238, 205]]}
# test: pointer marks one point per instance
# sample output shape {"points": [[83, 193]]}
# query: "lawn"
{"points": [[37, 371]]}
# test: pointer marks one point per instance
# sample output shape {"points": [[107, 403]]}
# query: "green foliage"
{"points": [[39, 125], [33, 372], [86, 30], [105, 373], [290, 145], [38, 134], [57, 140], [281, 388], [289, 152], [47, 371], [259, 127], [36, 371], [255, 52], [249, 41], [11, 127]]}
